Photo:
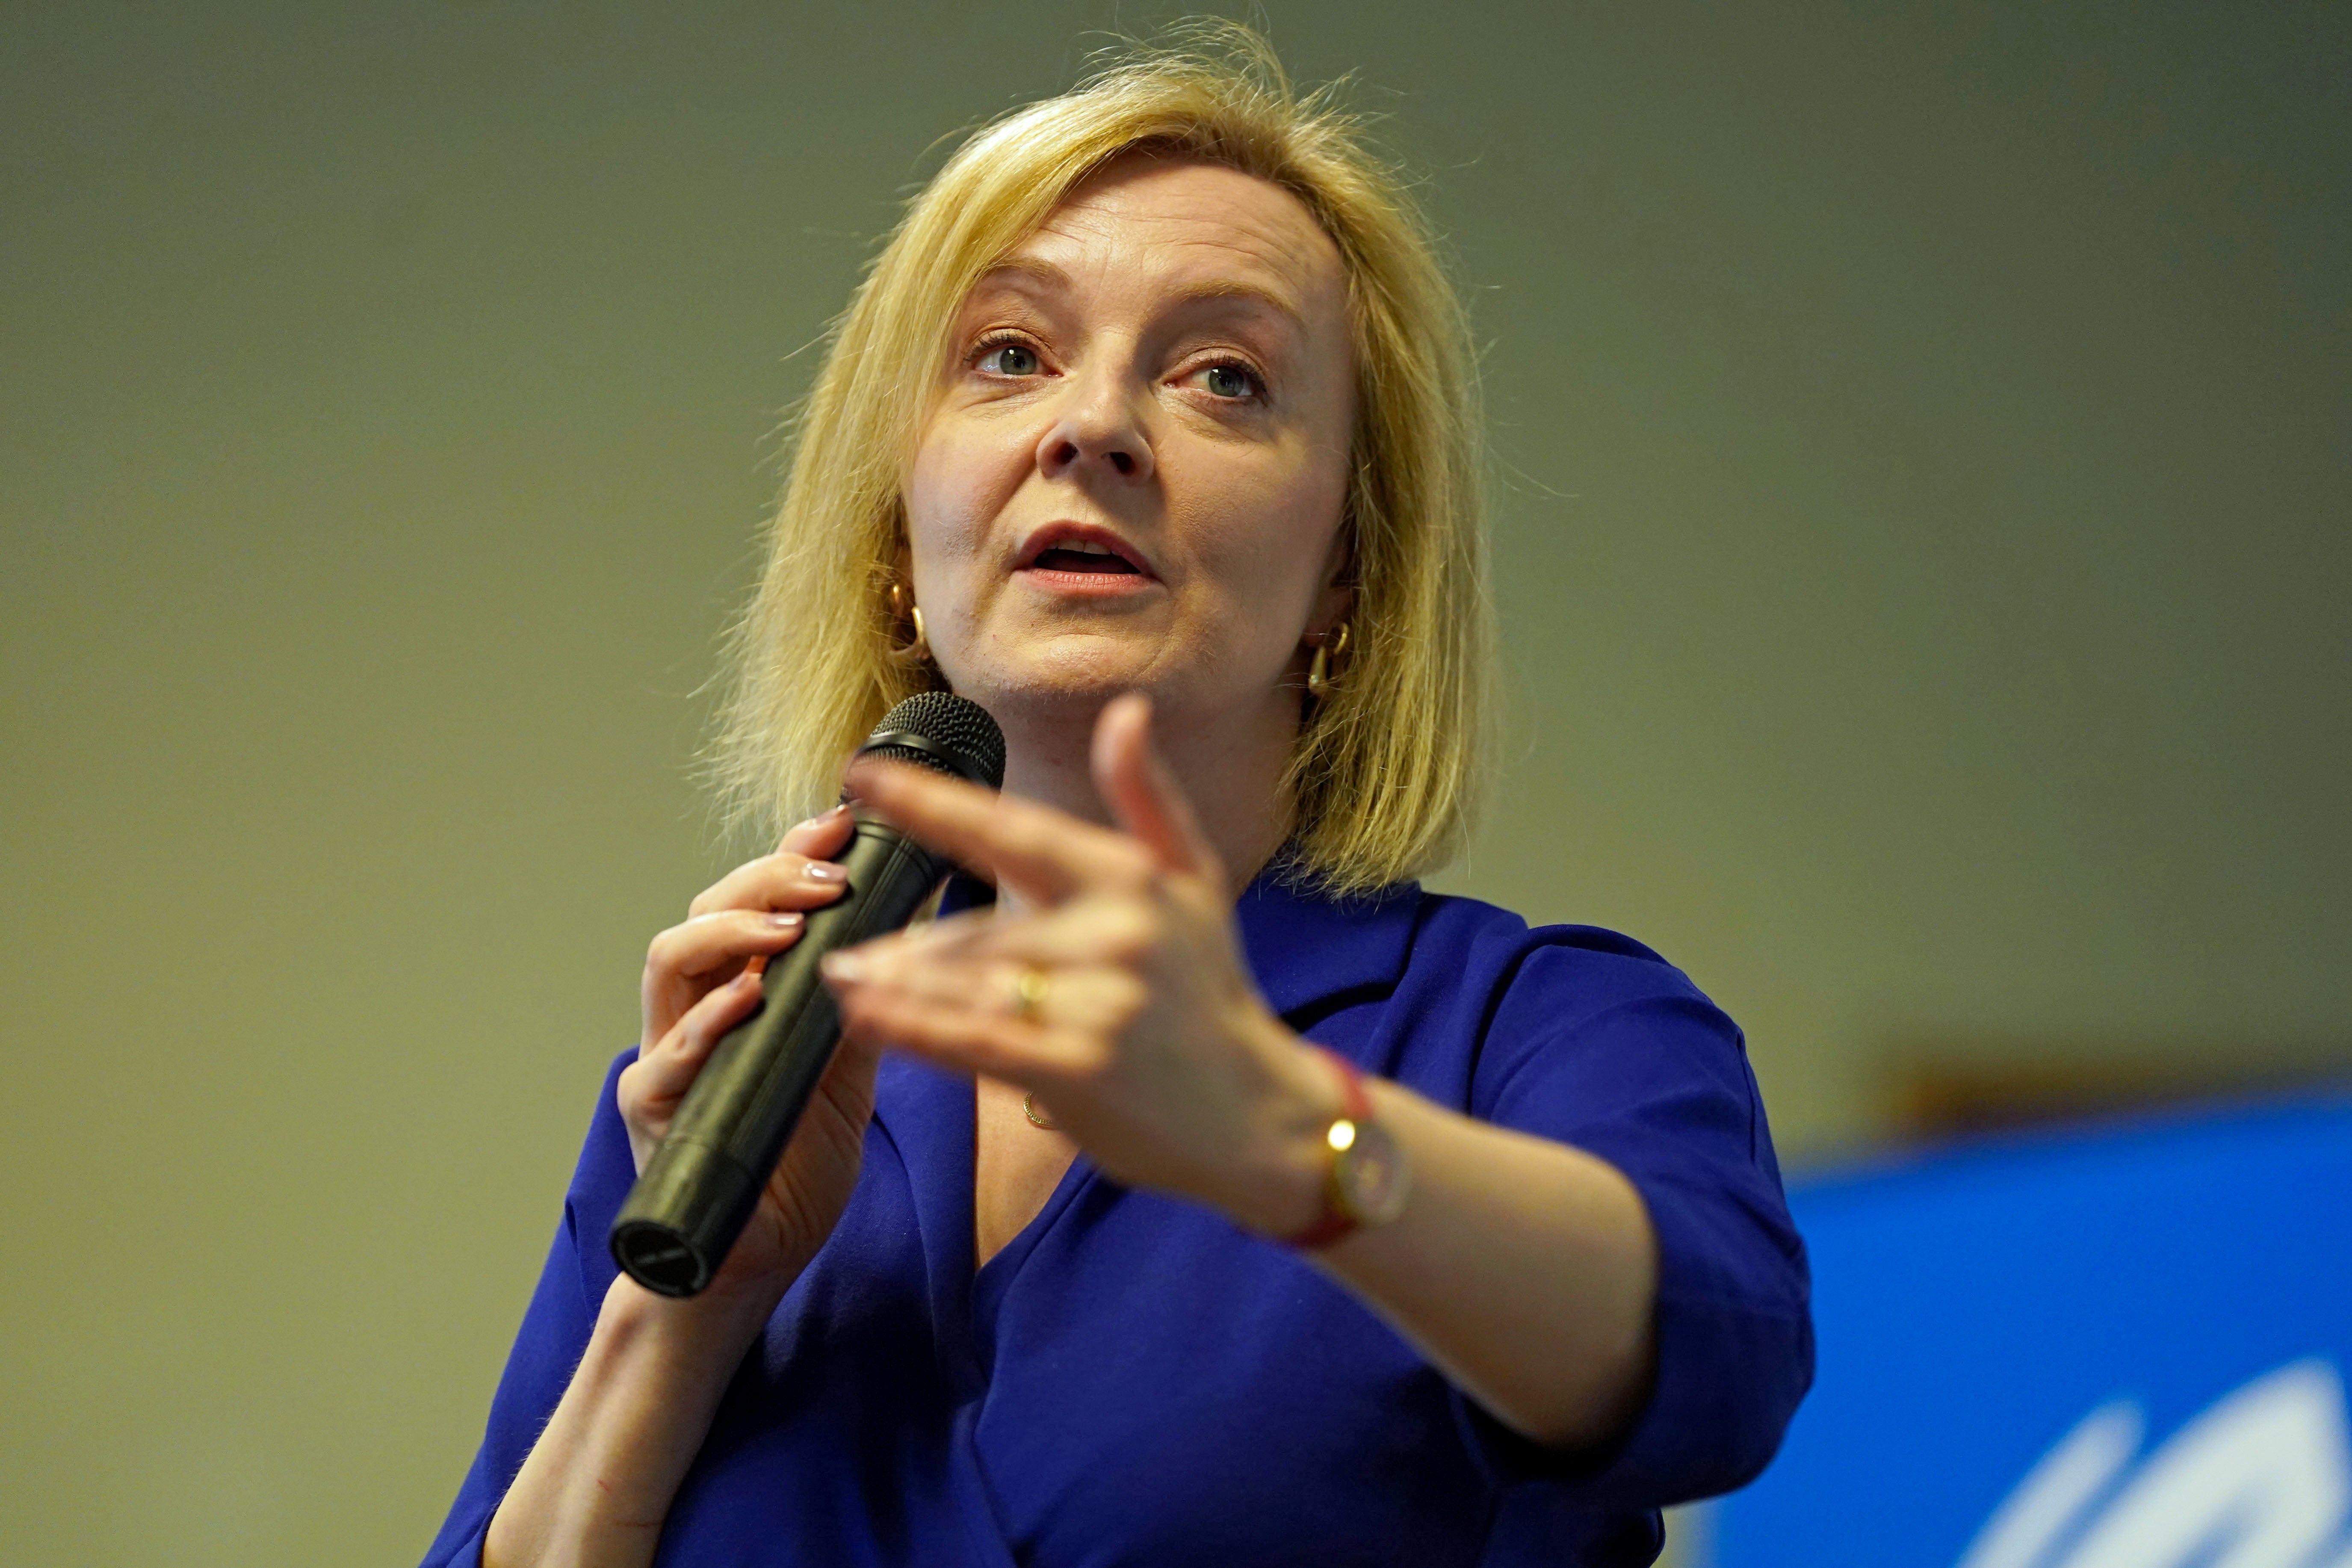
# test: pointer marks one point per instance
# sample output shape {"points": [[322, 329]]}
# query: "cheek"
{"points": [[962, 476], [944, 490], [959, 482], [1270, 549]]}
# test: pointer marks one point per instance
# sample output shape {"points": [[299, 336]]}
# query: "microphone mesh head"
{"points": [[944, 733]]}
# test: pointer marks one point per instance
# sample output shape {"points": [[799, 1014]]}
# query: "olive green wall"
{"points": [[1923, 558]]}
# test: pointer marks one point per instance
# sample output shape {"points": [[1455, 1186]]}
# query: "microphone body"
{"points": [[699, 1189]]}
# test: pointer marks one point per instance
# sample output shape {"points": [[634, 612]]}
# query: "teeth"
{"points": [[1088, 547]]}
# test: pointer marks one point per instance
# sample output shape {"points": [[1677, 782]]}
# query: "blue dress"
{"points": [[1133, 1381]]}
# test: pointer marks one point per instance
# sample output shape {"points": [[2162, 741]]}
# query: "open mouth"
{"points": [[1092, 558], [1082, 550]]}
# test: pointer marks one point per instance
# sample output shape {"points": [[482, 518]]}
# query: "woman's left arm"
{"points": [[1524, 1270]]}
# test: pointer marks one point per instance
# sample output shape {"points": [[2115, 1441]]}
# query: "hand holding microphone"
{"points": [[718, 1096]]}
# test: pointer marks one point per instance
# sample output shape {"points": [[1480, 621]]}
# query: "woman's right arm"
{"points": [[599, 1482], [600, 1479]]}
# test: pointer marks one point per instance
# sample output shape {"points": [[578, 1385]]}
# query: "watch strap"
{"points": [[1355, 1105]]}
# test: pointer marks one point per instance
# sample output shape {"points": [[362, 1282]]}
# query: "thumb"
{"points": [[1143, 795]]}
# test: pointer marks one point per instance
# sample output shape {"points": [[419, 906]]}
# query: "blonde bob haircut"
{"points": [[1381, 775]]}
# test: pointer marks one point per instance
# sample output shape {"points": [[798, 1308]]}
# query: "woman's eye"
{"points": [[1229, 381], [1010, 359]]}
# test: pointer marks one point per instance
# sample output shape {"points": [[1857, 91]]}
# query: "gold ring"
{"points": [[1029, 988], [1029, 1110]]}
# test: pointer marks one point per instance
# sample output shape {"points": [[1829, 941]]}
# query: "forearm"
{"points": [[1524, 1269], [599, 1482]]}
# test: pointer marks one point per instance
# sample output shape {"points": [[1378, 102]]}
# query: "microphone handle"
{"points": [[695, 1195]]}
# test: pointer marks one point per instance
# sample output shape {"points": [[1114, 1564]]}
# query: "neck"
{"points": [[1229, 765]]}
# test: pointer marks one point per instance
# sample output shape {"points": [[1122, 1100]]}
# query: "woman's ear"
{"points": [[1335, 600]]}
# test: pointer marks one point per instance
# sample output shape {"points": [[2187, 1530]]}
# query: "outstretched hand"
{"points": [[1109, 983]]}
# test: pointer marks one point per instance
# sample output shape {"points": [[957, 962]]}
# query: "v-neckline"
{"points": [[1005, 1128], [930, 1118], [1306, 953], [993, 1279], [1025, 1240]]}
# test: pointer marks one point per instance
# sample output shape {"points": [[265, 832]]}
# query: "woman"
{"points": [[1210, 1193]]}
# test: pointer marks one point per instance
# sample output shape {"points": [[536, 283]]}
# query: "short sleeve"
{"points": [[554, 1333], [1618, 1055]]}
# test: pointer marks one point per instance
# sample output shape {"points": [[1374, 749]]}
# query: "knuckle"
{"points": [[1090, 1057], [861, 1009], [1133, 931], [1126, 999], [1027, 836]]}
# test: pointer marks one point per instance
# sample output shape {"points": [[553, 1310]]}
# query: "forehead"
{"points": [[1191, 226]]}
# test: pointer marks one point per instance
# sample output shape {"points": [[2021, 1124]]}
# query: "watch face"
{"points": [[1372, 1177]]}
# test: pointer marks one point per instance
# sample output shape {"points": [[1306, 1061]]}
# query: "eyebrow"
{"points": [[1036, 270]]}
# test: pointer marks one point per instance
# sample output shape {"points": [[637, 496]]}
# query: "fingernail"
{"points": [[825, 872], [822, 818], [783, 920], [845, 967], [748, 979]]}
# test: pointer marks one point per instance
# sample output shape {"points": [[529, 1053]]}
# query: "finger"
{"points": [[689, 959], [1043, 853], [707, 1023], [949, 937], [1106, 929], [707, 944], [948, 932], [652, 1086], [1103, 999], [786, 879], [822, 836], [698, 947], [1143, 795], [953, 1035]]}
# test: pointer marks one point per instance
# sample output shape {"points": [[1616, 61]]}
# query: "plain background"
{"points": [[1921, 547]]}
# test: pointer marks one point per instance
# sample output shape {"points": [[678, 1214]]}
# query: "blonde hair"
{"points": [[1382, 773]]}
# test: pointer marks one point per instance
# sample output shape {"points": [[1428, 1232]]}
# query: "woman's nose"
{"points": [[1099, 431]]}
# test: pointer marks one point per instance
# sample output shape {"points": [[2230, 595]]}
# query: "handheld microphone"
{"points": [[697, 1192]]}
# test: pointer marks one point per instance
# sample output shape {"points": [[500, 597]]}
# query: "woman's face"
{"points": [[1133, 475]]}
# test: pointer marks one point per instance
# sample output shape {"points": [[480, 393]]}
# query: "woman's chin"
{"points": [[1067, 673]]}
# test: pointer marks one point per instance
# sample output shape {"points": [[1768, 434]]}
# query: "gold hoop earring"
{"points": [[916, 651], [1318, 670]]}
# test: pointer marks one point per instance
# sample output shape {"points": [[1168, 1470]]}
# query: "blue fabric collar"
{"points": [[1306, 950]]}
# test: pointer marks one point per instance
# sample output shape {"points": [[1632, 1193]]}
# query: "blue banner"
{"points": [[2120, 1349]]}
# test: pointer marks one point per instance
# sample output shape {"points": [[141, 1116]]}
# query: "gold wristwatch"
{"points": [[1369, 1178]]}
